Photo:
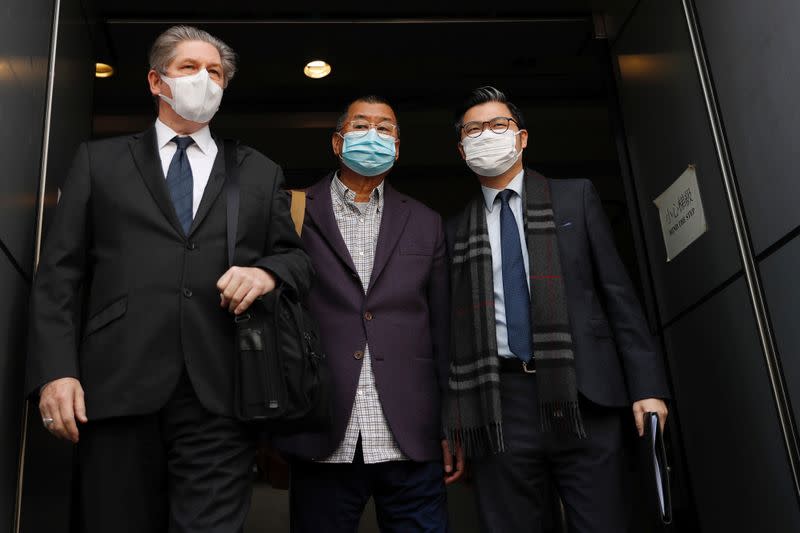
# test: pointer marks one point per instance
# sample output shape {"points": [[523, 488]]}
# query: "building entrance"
{"points": [[610, 91]]}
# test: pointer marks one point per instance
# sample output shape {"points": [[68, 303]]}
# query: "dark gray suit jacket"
{"points": [[616, 358]]}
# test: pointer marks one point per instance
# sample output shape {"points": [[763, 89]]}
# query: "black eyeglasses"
{"points": [[497, 125]]}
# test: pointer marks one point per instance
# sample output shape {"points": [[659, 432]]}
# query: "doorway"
{"points": [[555, 68]]}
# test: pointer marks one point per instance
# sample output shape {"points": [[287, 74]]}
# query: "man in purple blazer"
{"points": [[381, 299]]}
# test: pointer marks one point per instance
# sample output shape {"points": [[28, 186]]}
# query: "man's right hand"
{"points": [[62, 401]]}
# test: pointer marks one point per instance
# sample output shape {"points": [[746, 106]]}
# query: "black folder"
{"points": [[656, 469]]}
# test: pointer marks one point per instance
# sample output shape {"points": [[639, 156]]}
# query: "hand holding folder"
{"points": [[657, 467]]}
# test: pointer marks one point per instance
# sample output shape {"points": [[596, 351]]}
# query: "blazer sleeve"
{"points": [[642, 362], [53, 333], [284, 253], [439, 305]]}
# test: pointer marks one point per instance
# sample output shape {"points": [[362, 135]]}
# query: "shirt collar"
{"points": [[489, 194], [202, 137], [346, 195]]}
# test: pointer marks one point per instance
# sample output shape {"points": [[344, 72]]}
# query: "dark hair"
{"points": [[367, 99], [483, 95]]}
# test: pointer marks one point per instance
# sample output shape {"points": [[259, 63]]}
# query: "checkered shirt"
{"points": [[359, 224]]}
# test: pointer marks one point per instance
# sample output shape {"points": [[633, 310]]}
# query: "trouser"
{"points": [[180, 470], [409, 496], [512, 487]]}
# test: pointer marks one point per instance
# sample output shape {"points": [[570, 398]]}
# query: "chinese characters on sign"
{"points": [[681, 212]]}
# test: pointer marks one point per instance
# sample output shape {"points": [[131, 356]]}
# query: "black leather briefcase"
{"points": [[281, 374], [282, 380]]}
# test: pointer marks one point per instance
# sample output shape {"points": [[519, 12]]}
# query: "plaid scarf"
{"points": [[473, 415]]}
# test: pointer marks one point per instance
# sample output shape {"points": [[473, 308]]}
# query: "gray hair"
{"points": [[368, 99], [163, 50]]}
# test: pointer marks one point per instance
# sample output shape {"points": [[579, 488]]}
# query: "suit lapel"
{"points": [[393, 222], [148, 162], [319, 209], [215, 182]]}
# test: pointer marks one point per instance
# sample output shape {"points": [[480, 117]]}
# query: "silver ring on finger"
{"points": [[47, 421]]}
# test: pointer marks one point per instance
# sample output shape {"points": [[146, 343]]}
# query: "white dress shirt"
{"points": [[201, 155], [492, 201]]}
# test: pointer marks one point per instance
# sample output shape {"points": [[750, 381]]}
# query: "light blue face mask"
{"points": [[368, 155]]}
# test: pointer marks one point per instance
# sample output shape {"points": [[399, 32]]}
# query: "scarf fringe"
{"points": [[478, 441], [562, 417]]}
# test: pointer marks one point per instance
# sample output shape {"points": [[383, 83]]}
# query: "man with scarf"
{"points": [[381, 301], [549, 345]]}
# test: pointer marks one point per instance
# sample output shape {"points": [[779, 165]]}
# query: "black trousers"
{"points": [[512, 487], [181, 470], [330, 498]]}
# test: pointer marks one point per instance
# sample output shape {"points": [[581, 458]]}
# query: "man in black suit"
{"points": [[144, 372], [558, 348]]}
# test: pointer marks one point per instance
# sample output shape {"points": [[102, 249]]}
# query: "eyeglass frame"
{"points": [[485, 123], [395, 133]]}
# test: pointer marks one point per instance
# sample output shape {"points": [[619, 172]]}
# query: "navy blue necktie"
{"points": [[180, 183], [515, 286]]}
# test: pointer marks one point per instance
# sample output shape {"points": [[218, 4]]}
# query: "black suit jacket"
{"points": [[148, 293], [616, 358]]}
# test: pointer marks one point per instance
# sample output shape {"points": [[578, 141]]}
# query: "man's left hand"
{"points": [[240, 286], [649, 405]]}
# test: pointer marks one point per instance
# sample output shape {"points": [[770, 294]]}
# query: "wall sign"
{"points": [[681, 212]]}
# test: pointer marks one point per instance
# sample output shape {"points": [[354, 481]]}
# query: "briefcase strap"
{"points": [[298, 205], [298, 209], [232, 194]]}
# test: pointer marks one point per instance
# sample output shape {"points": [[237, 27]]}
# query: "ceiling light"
{"points": [[317, 69], [103, 70]]}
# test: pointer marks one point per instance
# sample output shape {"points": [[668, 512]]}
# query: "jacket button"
{"points": [[187, 293], [191, 245], [359, 355], [368, 316]]}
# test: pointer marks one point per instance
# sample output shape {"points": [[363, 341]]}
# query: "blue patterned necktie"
{"points": [[180, 183], [515, 286]]}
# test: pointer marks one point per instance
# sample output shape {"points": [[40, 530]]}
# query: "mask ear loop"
{"points": [[208, 90], [166, 81], [517, 151], [341, 151]]}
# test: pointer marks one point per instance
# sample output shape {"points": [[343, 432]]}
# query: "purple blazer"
{"points": [[403, 316]]}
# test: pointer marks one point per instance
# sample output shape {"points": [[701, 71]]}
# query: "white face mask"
{"points": [[491, 154], [196, 97]]}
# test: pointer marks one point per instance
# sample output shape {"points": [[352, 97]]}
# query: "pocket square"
{"points": [[566, 225]]}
